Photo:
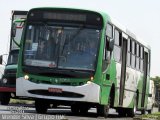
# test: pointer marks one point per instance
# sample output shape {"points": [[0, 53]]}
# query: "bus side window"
{"points": [[117, 46], [149, 59], [129, 53], [137, 56], [108, 42], [109, 30], [133, 54], [141, 58]]}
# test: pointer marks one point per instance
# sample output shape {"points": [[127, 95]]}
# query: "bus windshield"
{"points": [[13, 57], [61, 47]]}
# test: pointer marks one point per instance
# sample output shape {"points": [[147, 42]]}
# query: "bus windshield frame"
{"points": [[13, 57], [73, 35]]}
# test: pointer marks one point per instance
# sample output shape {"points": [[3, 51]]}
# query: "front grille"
{"points": [[10, 72], [63, 94], [11, 81], [10, 75]]}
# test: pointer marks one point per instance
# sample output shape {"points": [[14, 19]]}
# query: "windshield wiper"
{"points": [[75, 35], [80, 71], [78, 32]]}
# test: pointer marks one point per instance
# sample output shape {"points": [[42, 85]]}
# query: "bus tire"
{"points": [[151, 110], [103, 110], [143, 111], [122, 112], [5, 98], [41, 106]]}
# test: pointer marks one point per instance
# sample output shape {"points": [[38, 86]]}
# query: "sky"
{"points": [[142, 17]]}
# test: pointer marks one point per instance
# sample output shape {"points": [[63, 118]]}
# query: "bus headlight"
{"points": [[4, 80], [26, 77]]}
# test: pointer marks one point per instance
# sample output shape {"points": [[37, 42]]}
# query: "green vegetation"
{"points": [[153, 116], [156, 80]]}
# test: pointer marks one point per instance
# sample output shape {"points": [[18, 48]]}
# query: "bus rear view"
{"points": [[59, 54]]}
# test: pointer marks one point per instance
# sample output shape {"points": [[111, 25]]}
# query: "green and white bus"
{"points": [[84, 59]]}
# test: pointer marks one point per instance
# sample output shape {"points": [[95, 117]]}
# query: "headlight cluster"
{"points": [[4, 81]]}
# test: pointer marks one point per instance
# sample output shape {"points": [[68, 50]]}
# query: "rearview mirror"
{"points": [[13, 30], [150, 95], [109, 44], [109, 37], [1, 58]]}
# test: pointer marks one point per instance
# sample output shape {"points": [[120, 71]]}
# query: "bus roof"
{"points": [[128, 32], [112, 20]]}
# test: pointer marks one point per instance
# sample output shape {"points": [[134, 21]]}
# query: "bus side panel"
{"points": [[147, 92], [104, 96], [107, 84], [139, 87], [140, 83], [118, 77], [132, 78], [113, 73]]}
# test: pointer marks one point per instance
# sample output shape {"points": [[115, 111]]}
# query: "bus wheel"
{"points": [[143, 111], [5, 98], [150, 111], [41, 106], [122, 112], [132, 111], [103, 110]]}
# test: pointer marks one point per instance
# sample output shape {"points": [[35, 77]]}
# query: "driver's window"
{"points": [[109, 31]]}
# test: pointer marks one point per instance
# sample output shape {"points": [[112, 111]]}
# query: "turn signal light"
{"points": [[90, 81]]}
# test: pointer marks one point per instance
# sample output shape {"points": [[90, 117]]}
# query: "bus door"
{"points": [[145, 68], [123, 68]]}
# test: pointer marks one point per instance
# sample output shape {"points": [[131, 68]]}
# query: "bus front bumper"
{"points": [[85, 93]]}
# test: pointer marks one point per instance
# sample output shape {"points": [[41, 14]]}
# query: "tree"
{"points": [[156, 80]]}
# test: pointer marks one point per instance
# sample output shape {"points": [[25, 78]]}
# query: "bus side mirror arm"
{"points": [[150, 95], [16, 42], [13, 30], [1, 59], [109, 43]]}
